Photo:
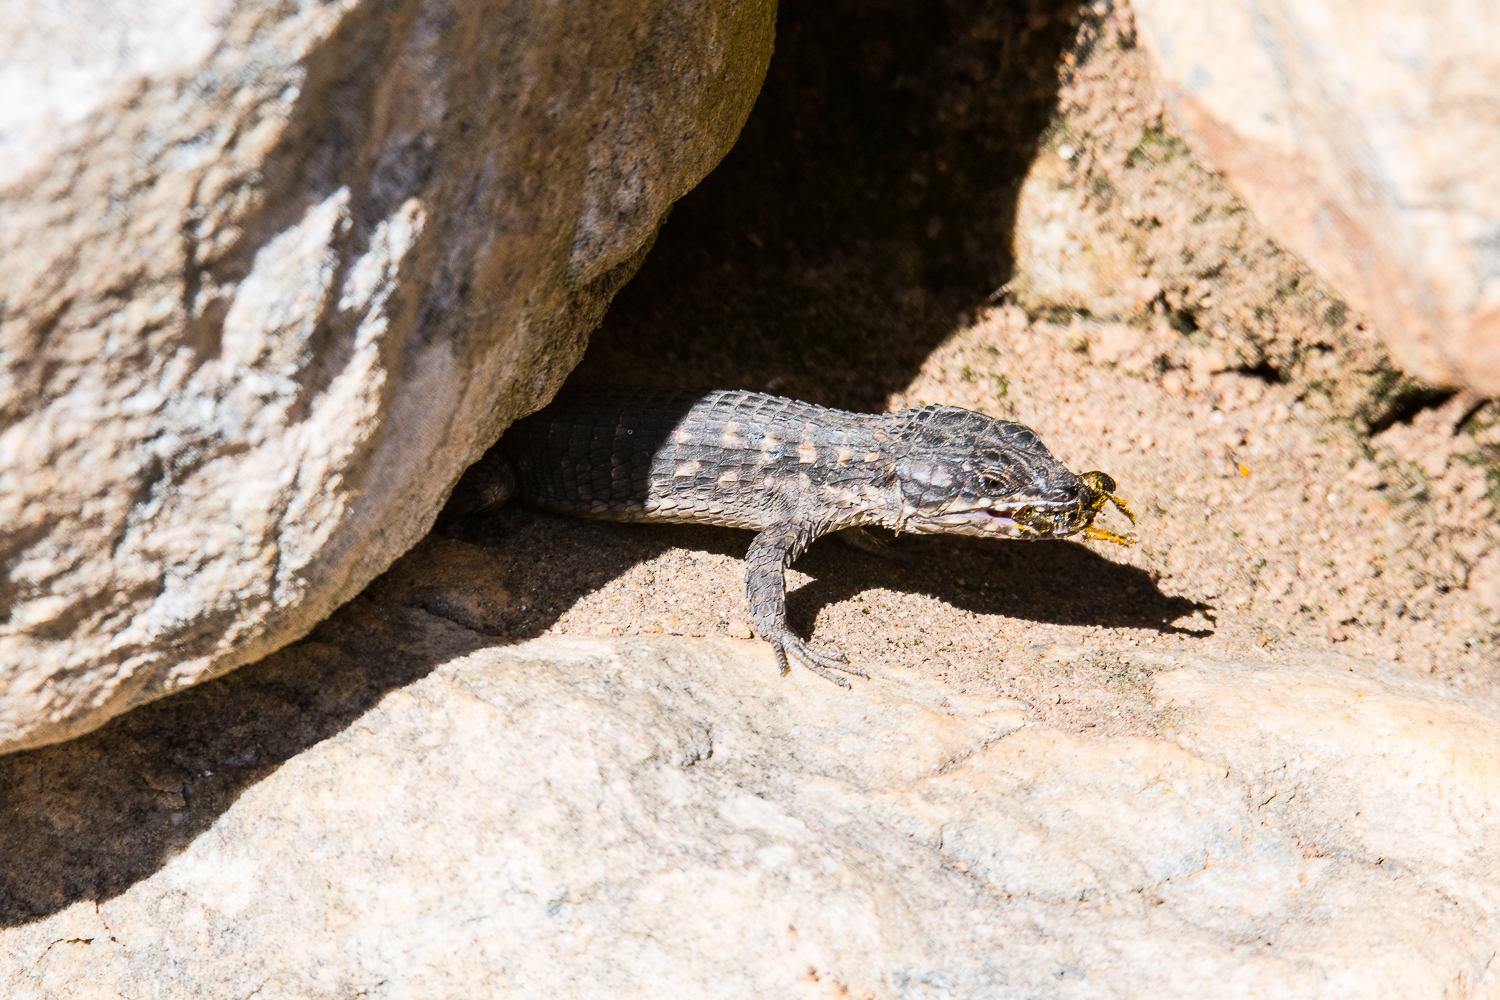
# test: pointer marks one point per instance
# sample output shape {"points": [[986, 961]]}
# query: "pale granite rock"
{"points": [[275, 274], [1364, 137], [619, 818]]}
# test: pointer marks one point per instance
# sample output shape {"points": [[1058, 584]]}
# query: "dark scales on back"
{"points": [[790, 471]]}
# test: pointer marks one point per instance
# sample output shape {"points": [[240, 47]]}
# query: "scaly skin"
{"points": [[790, 471]]}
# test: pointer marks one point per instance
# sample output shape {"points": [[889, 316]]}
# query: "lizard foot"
{"points": [[820, 661]]}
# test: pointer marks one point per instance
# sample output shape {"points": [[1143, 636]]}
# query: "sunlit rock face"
{"points": [[1363, 138], [397, 807]]}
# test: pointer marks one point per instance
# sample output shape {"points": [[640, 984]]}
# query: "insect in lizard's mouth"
{"points": [[1059, 519], [1034, 517], [1038, 519]]}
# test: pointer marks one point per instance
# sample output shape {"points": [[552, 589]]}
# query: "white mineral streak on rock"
{"points": [[346, 413], [621, 818], [1364, 137]]}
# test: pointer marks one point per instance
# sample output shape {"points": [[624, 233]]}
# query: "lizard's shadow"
{"points": [[487, 577], [1052, 582]]}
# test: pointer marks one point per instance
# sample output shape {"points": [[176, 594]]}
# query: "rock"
{"points": [[1062, 263], [276, 274], [1484, 583], [1131, 229], [1362, 137], [738, 629], [1111, 342], [391, 807]]}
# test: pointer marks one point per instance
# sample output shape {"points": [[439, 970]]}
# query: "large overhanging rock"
{"points": [[1364, 137], [275, 273]]}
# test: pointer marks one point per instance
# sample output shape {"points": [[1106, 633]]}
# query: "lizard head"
{"points": [[969, 474]]}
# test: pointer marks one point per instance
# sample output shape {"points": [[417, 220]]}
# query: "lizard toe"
{"points": [[781, 658], [820, 661], [827, 674]]}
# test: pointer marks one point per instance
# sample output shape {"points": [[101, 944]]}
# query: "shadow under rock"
{"points": [[87, 819], [866, 210], [513, 571]]}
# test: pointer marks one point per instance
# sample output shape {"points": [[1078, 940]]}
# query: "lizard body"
{"points": [[788, 470]]}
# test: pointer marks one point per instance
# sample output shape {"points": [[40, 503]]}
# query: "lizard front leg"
{"points": [[765, 585]]}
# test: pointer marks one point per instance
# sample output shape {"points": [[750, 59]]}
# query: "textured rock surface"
{"points": [[1119, 222], [274, 274], [1363, 137], [634, 817]]}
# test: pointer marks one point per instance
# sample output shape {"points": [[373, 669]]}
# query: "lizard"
{"points": [[789, 471]]}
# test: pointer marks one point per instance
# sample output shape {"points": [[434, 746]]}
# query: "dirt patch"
{"points": [[1296, 495]]}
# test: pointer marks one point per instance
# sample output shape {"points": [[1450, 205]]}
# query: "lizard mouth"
{"points": [[1022, 519], [1039, 519], [1059, 519], [1034, 518]]}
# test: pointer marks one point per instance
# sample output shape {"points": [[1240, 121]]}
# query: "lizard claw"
{"points": [[820, 661]]}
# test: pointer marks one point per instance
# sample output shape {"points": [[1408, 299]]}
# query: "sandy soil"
{"points": [[1269, 530], [1296, 497]]}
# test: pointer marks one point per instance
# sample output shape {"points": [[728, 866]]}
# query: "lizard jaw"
{"points": [[997, 519], [1034, 520]]}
